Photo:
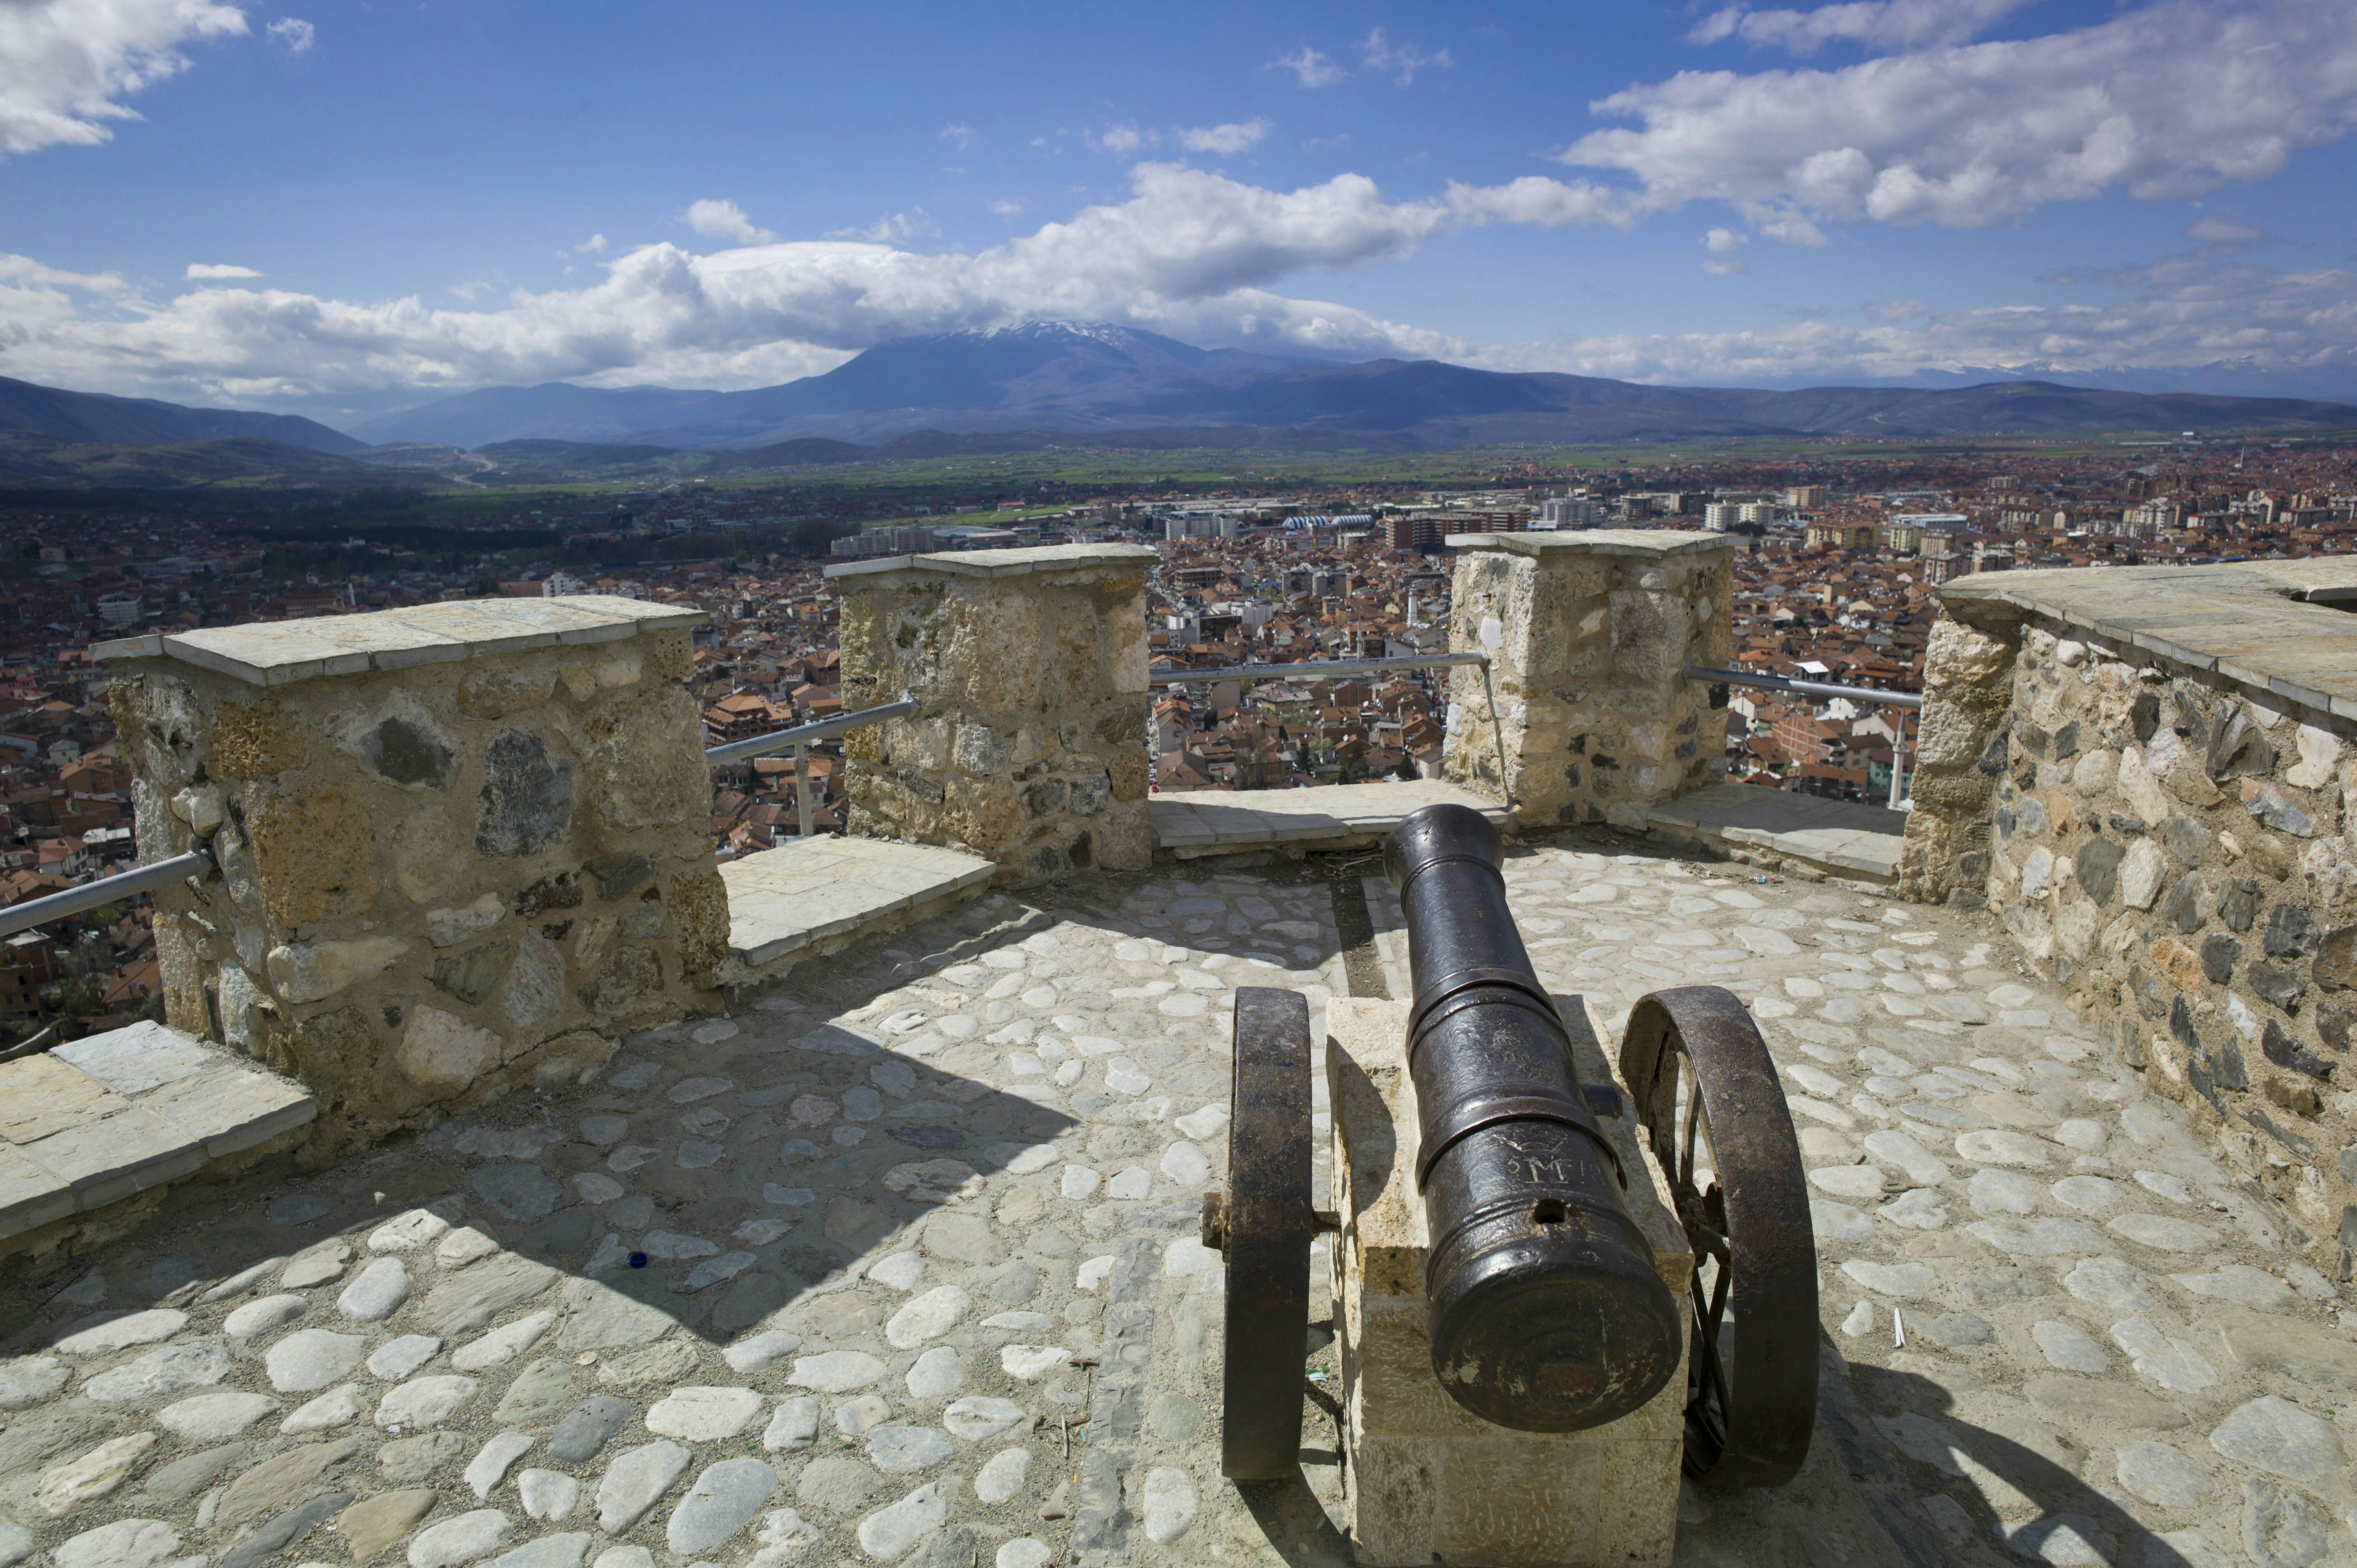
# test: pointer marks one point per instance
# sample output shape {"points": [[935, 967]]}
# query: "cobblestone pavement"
{"points": [[897, 1264]]}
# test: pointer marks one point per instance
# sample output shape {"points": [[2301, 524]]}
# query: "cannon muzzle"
{"points": [[1547, 1314]]}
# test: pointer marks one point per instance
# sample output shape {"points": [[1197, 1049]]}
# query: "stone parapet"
{"points": [[460, 845], [1589, 636], [1427, 1480], [2147, 776], [1029, 746]]}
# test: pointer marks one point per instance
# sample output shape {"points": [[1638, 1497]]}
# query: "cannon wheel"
{"points": [[1707, 1095], [1264, 1224]]}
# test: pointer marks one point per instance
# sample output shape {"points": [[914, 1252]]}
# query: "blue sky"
{"points": [[383, 204]]}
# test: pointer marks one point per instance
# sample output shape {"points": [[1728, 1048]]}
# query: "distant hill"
{"points": [[34, 460], [97, 418], [1109, 384]]}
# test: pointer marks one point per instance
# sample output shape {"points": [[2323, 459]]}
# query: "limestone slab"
{"points": [[1229, 819], [278, 653], [112, 1114], [1835, 835], [807, 889]]}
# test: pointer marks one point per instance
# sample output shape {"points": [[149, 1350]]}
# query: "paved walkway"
{"points": [[897, 1264]]}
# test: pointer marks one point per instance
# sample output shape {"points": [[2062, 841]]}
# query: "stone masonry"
{"points": [[461, 846], [2140, 776], [1029, 747], [1589, 636]]}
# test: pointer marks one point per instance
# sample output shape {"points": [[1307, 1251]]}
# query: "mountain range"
{"points": [[1105, 383], [1043, 384]]}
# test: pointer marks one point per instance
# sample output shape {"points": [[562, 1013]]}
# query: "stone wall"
{"points": [[1589, 636], [1029, 666], [461, 846], [2150, 783]]}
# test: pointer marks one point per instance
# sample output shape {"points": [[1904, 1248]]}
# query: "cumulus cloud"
{"points": [[1312, 69], [296, 34], [914, 224], [724, 220], [67, 65], [2167, 103], [220, 270], [1119, 140], [1225, 141], [1188, 252], [1895, 309], [1007, 206], [1735, 268], [1877, 24], [1536, 199], [2222, 228], [1722, 239], [958, 136], [2188, 312], [594, 245], [1398, 61]]}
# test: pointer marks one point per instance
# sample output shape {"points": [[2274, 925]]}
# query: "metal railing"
{"points": [[1903, 701], [24, 916], [1321, 668], [798, 740], [1327, 669]]}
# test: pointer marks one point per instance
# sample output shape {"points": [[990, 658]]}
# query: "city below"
{"points": [[1837, 561]]}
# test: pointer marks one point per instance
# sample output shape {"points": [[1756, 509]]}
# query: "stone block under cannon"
{"points": [[1557, 1286]]}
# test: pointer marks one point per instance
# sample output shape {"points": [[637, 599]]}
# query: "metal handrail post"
{"points": [[1498, 729], [1899, 761], [802, 790]]}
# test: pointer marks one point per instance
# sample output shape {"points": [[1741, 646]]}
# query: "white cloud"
{"points": [[66, 65], [2221, 228], [1313, 69], [1188, 253], [1226, 141], [2166, 102], [1120, 140], [1534, 199], [724, 220], [1735, 268], [594, 245], [1400, 62], [959, 136], [220, 270], [913, 224], [1878, 24], [1719, 239], [1007, 206], [296, 34], [2194, 313]]}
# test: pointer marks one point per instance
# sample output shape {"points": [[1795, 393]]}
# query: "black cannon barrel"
{"points": [[1547, 1314]]}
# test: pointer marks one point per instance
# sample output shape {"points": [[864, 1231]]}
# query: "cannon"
{"points": [[1544, 1309]]}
